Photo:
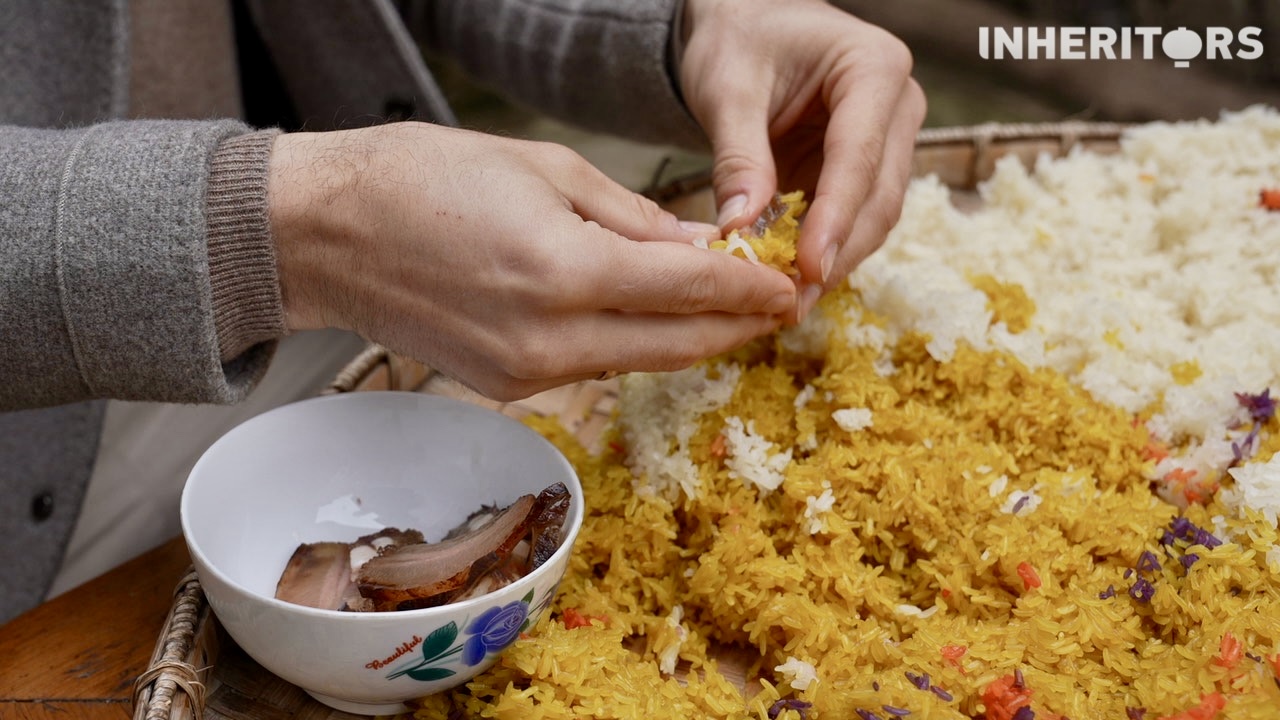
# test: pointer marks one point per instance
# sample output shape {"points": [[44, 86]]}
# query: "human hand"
{"points": [[798, 94], [512, 266]]}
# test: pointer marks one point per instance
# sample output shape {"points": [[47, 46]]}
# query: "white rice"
{"points": [[1021, 503], [805, 395], [998, 486], [1136, 263], [817, 507], [750, 457], [663, 412], [737, 242], [1257, 486], [852, 419], [669, 655], [798, 673]]}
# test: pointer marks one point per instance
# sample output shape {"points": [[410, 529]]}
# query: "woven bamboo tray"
{"points": [[197, 671]]}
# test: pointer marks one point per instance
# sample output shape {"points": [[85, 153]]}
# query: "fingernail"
{"points": [[731, 209], [808, 298], [828, 261], [706, 230], [780, 303]]}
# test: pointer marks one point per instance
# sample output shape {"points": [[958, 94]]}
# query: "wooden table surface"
{"points": [[77, 655]]}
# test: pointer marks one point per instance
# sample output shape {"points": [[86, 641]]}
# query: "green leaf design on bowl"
{"points": [[427, 674], [439, 646], [438, 642]]}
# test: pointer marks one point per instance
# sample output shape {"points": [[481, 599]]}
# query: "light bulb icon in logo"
{"points": [[1181, 45]]}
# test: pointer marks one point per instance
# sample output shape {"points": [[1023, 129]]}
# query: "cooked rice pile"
{"points": [[993, 475]]}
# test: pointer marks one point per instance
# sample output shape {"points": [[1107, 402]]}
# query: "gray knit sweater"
{"points": [[135, 256]]}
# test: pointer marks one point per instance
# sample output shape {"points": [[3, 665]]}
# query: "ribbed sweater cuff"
{"points": [[247, 309]]}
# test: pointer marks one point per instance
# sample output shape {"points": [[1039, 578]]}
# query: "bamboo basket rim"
{"points": [[1068, 133], [172, 680], [975, 149]]}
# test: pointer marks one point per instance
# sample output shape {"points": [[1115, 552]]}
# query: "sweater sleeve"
{"points": [[134, 257], [602, 64]]}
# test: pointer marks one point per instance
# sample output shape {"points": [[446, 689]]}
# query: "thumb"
{"points": [[743, 174]]}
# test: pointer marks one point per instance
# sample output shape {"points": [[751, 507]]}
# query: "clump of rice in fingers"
{"points": [[771, 239]]}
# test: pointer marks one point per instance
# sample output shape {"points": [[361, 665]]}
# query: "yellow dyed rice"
{"points": [[772, 242], [933, 445]]}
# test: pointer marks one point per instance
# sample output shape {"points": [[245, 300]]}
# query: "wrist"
{"points": [[309, 187]]}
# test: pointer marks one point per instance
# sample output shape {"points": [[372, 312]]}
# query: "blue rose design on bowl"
{"points": [[490, 633], [493, 630]]}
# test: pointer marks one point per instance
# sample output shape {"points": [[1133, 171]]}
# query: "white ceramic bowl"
{"points": [[342, 466]]}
